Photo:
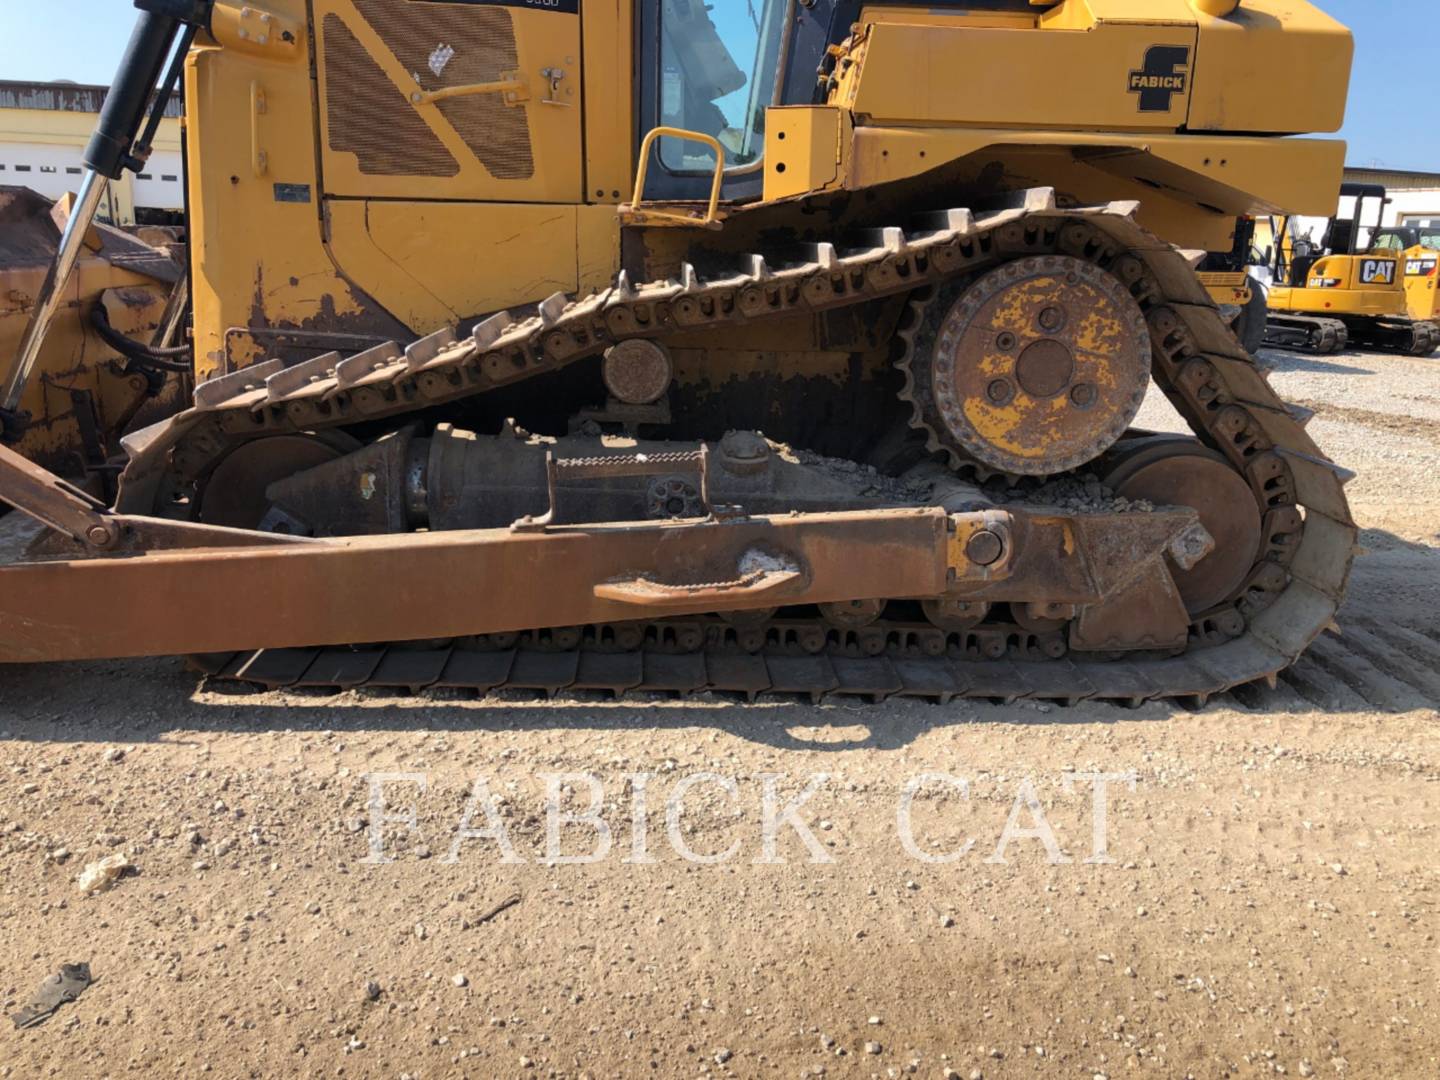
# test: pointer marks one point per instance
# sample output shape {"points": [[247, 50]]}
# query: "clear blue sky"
{"points": [[1394, 117]]}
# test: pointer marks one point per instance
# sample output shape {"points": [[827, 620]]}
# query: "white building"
{"points": [[1414, 196], [43, 131]]}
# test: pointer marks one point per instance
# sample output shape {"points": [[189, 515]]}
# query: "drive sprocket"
{"points": [[1032, 369]]}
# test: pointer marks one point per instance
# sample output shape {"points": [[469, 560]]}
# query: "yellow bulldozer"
{"points": [[789, 347]]}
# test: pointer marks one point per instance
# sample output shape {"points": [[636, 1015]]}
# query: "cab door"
{"points": [[475, 100]]}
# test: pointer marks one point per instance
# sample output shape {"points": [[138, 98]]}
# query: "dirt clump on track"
{"points": [[1270, 905]]}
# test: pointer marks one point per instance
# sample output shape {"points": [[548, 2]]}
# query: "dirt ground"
{"points": [[1271, 906]]}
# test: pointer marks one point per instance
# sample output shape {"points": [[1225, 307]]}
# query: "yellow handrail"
{"points": [[712, 212], [515, 90]]}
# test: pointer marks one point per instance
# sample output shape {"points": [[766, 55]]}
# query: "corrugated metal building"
{"points": [[43, 131]]}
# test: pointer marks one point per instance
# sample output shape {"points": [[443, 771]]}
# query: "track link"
{"points": [[1405, 336], [1289, 599], [1306, 333], [1321, 336], [1373, 666]]}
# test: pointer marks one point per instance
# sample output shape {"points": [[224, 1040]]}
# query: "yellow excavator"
{"points": [[1420, 245], [1338, 292], [791, 347]]}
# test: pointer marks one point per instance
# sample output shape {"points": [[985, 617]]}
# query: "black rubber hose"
{"points": [[145, 355]]}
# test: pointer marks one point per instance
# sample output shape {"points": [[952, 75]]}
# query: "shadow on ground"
{"points": [[162, 699]]}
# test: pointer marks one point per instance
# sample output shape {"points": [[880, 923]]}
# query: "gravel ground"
{"points": [[1270, 908]]}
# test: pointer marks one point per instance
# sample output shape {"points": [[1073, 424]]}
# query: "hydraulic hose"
{"points": [[135, 351]]}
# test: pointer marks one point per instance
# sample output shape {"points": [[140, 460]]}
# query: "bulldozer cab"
{"points": [[498, 109], [710, 69], [713, 65]]}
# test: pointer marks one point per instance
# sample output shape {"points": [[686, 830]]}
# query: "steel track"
{"points": [[1290, 598], [1402, 337], [1322, 336], [657, 666]]}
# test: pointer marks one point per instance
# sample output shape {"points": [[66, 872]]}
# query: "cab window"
{"points": [[717, 76]]}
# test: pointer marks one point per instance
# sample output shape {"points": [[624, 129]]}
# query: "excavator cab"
{"points": [[1227, 278], [1299, 259], [1419, 243]]}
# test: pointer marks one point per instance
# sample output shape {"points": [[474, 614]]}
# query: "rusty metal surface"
{"points": [[51, 501], [236, 494], [457, 479], [652, 668], [337, 592], [1294, 588], [374, 587], [81, 395], [638, 372], [1176, 471], [130, 536], [1144, 612], [1036, 368], [78, 526], [674, 498], [29, 235]]}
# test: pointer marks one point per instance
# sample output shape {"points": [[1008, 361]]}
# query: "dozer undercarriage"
{"points": [[844, 407], [1040, 549]]}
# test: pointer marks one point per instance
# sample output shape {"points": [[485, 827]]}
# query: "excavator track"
{"points": [[1322, 337], [1306, 333], [1289, 598], [1408, 337]]}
